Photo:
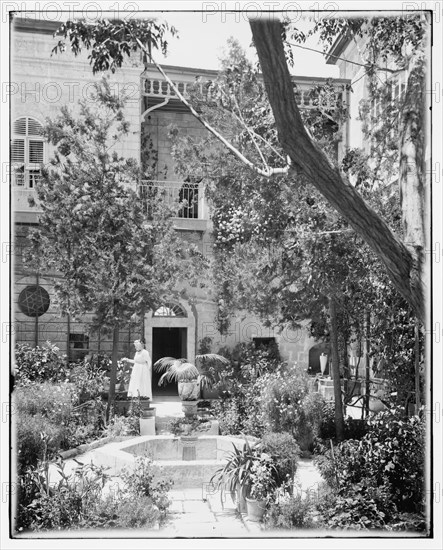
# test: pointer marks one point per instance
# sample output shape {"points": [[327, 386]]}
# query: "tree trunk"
{"points": [[335, 368], [113, 377], [309, 159], [412, 171]]}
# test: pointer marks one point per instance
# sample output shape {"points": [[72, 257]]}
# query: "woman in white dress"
{"points": [[140, 381]]}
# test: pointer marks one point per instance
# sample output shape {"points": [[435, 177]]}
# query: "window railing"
{"points": [[185, 198]]}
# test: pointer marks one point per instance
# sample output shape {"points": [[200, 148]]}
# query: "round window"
{"points": [[34, 301]]}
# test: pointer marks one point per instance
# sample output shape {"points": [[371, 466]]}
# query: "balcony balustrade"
{"points": [[156, 88]]}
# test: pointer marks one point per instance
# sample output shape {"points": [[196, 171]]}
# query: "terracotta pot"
{"points": [[256, 509]]}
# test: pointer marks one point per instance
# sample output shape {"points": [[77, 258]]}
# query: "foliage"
{"points": [[36, 437], [39, 364], [289, 406], [113, 42], [78, 500], [116, 261], [238, 467], [189, 426], [123, 426], [89, 374], [289, 512], [139, 482], [262, 477], [353, 428], [365, 505], [49, 420], [284, 451], [390, 454], [204, 370]]}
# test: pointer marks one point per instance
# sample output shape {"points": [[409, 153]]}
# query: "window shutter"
{"points": [[20, 126], [34, 128], [18, 151], [35, 152]]}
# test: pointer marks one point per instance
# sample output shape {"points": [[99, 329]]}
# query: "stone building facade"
{"points": [[40, 85]]}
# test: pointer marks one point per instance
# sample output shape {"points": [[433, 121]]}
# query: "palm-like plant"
{"points": [[203, 371]]}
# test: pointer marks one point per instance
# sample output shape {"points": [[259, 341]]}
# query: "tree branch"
{"points": [[314, 164], [266, 173]]}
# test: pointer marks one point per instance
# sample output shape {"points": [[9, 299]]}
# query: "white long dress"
{"points": [[140, 381]]}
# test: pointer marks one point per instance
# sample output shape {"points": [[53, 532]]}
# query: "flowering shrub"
{"points": [[289, 407], [261, 478], [39, 364], [235, 224]]}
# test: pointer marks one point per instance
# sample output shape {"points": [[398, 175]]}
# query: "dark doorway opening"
{"points": [[167, 342]]}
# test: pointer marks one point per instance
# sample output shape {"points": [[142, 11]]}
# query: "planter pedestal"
{"points": [[147, 421], [256, 509]]}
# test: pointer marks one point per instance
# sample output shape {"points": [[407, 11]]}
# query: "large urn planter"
{"points": [[256, 509], [189, 390]]}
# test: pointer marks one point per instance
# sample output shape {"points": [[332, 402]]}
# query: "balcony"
{"points": [[159, 92]]}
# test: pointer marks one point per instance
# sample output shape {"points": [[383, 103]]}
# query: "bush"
{"points": [[391, 454], [289, 512], [140, 482], [284, 452], [141, 512], [53, 401], [36, 438], [363, 506], [289, 406], [353, 428], [39, 364], [77, 500], [89, 375]]}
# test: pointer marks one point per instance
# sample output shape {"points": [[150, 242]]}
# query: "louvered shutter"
{"points": [[20, 126], [18, 151], [35, 151]]}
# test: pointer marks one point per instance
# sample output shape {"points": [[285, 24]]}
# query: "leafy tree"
{"points": [[94, 230], [387, 38]]}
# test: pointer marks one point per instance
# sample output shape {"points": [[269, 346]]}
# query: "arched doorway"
{"points": [[169, 332]]}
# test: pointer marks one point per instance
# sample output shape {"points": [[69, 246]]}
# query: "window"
{"points": [[27, 152], [78, 346], [263, 342], [188, 195], [33, 301], [170, 310]]}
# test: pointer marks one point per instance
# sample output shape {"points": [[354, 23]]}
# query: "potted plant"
{"points": [[261, 485], [190, 377], [235, 475]]}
